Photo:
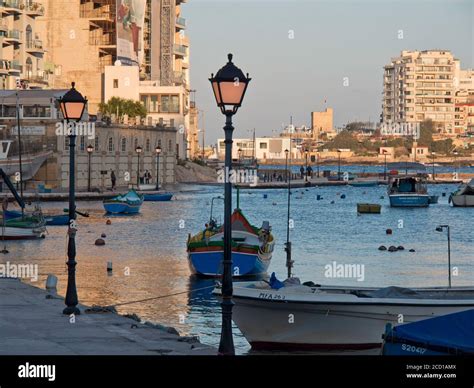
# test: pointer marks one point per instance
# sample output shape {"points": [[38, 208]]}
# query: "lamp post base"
{"points": [[71, 310]]}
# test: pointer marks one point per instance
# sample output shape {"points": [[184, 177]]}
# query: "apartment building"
{"points": [[464, 102], [419, 85], [21, 50]]}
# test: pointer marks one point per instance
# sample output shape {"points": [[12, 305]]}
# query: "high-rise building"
{"points": [[419, 85], [464, 101], [21, 50]]}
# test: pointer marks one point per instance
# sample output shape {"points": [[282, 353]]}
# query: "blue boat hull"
{"points": [[158, 197], [243, 264], [121, 208], [406, 349], [409, 200], [58, 220]]}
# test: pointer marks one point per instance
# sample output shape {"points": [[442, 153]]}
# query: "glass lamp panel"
{"points": [[73, 110], [232, 92], [217, 95]]}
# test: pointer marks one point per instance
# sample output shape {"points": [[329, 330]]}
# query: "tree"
{"points": [[426, 133], [120, 107], [344, 139]]}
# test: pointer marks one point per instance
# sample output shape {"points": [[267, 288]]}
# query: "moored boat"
{"points": [[451, 334], [158, 197], [363, 183], [335, 317], [50, 220], [129, 203], [252, 248], [24, 228], [408, 191], [368, 208], [464, 196]]}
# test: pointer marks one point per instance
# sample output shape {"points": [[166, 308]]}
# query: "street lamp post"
{"points": [[72, 106], [440, 228], [90, 150], [240, 156], [433, 154], [158, 153], [455, 153], [229, 86], [138, 150], [317, 163], [306, 162], [339, 165], [286, 165], [385, 165]]}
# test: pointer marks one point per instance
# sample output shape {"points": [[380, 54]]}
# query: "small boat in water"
{"points": [[451, 334], [369, 208], [158, 197], [252, 248], [23, 228], [50, 220], [129, 203], [332, 317], [408, 191], [464, 196], [362, 183]]}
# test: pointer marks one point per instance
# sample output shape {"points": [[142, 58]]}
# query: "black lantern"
{"points": [[229, 86], [72, 104], [158, 153]]}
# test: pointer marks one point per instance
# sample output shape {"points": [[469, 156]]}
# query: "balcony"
{"points": [[16, 67], [179, 49], [5, 66], [103, 13], [180, 23], [40, 80], [34, 9], [179, 78], [13, 36], [102, 40], [11, 6], [35, 47]]}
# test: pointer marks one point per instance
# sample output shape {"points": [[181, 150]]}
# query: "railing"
{"points": [[38, 79], [35, 44], [5, 64], [17, 66], [10, 4], [102, 40], [180, 49], [14, 34], [97, 13], [181, 21]]}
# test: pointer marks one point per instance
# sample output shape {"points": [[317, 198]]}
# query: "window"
{"points": [[83, 143], [135, 144], [170, 146], [154, 103], [263, 146], [169, 103], [66, 143], [123, 146], [144, 101], [96, 143], [36, 111], [110, 146], [116, 85], [147, 145]]}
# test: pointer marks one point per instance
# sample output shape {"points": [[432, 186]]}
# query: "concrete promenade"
{"points": [[32, 323]]}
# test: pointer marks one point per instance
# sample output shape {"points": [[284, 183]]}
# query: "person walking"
{"points": [[113, 178]]}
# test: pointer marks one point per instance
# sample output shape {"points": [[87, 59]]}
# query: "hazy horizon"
{"points": [[331, 41]]}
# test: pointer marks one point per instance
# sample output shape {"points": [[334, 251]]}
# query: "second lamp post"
{"points": [[229, 86], [158, 153], [138, 150]]}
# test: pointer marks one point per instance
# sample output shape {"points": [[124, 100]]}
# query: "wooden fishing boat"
{"points": [[158, 197], [252, 248], [408, 191], [50, 220], [23, 228], [464, 196], [129, 203]]}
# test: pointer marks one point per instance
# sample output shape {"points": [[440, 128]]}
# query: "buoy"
{"points": [[343, 196], [274, 204], [401, 248], [103, 235], [99, 242], [109, 266], [318, 197], [392, 249], [332, 202], [382, 248], [51, 283], [389, 231], [411, 250], [108, 222], [382, 197], [265, 196], [444, 194]]}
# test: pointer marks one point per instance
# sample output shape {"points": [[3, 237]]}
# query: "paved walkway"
{"points": [[31, 323]]}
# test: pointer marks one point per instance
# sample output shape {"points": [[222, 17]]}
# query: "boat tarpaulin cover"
{"points": [[452, 331]]}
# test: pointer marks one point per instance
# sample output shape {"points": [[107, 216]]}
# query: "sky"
{"points": [[300, 53]]}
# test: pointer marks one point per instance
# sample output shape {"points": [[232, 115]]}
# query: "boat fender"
{"points": [[401, 248], [265, 196], [274, 204], [392, 249], [382, 248], [318, 198], [411, 250], [99, 242], [333, 202], [389, 231], [108, 222], [343, 196], [444, 194], [382, 197]]}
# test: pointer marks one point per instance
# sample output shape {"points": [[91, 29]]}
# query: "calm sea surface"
{"points": [[148, 251]]}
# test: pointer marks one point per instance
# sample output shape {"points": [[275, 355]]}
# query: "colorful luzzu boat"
{"points": [[252, 248], [129, 203]]}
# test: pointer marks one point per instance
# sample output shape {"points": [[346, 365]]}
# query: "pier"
{"points": [[32, 323]]}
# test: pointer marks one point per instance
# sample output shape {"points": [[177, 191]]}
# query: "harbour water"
{"points": [[148, 250]]}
